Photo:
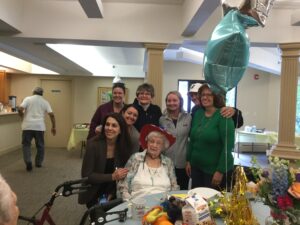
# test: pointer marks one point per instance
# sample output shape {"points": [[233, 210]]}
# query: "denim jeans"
{"points": [[27, 137]]}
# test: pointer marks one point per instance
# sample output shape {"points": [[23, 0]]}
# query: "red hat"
{"points": [[148, 128]]}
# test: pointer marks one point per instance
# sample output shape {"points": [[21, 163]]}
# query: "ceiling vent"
{"points": [[92, 8]]}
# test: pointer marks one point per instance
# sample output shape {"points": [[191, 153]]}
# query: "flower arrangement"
{"points": [[279, 187]]}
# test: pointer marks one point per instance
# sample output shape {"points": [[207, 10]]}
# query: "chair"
{"points": [[99, 212]]}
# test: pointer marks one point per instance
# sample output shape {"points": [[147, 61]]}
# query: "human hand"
{"points": [[227, 112], [98, 129], [53, 131], [217, 179], [188, 169], [119, 173]]}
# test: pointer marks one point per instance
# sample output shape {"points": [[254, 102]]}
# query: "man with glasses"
{"points": [[227, 112], [148, 112]]}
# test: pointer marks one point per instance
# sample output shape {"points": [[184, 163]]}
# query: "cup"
{"points": [[138, 208]]}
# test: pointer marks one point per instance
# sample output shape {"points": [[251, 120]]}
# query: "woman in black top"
{"points": [[105, 157]]}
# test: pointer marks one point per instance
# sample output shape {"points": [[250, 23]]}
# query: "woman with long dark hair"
{"points": [[130, 114], [106, 155]]}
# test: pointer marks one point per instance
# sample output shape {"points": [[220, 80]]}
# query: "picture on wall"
{"points": [[104, 95]]}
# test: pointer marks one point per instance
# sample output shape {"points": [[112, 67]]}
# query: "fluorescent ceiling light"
{"points": [[14, 63], [190, 55], [86, 56]]}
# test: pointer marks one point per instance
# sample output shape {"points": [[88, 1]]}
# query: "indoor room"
{"points": [[77, 50]]}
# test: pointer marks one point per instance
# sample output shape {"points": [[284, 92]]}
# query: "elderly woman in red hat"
{"points": [[150, 171]]}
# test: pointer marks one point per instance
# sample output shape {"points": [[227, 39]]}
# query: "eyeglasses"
{"points": [[206, 95], [145, 93]]}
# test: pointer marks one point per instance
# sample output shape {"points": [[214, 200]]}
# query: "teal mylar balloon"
{"points": [[226, 55]]}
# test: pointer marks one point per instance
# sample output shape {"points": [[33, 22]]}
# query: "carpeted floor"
{"points": [[35, 188]]}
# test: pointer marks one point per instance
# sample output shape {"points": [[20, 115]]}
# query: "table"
{"points": [[260, 210], [269, 138], [253, 138], [78, 136]]}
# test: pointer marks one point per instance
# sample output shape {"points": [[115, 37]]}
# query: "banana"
{"points": [[152, 215]]}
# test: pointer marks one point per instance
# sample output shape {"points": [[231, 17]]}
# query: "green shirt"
{"points": [[211, 142]]}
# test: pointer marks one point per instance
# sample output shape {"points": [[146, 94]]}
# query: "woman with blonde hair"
{"points": [[177, 122]]}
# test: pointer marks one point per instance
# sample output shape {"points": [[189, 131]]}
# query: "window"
{"points": [[297, 125], [183, 88]]}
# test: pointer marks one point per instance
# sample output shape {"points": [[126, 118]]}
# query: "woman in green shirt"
{"points": [[210, 161]]}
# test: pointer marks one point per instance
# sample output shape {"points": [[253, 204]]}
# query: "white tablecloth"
{"points": [[77, 137], [268, 137], [260, 211]]}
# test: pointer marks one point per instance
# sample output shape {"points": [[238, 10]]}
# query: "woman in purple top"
{"points": [[115, 105]]}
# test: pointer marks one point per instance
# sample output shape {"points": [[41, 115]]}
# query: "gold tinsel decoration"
{"points": [[238, 208]]}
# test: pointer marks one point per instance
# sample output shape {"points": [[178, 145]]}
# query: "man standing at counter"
{"points": [[32, 111]]}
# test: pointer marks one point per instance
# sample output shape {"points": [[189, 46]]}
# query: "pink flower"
{"points": [[284, 202]]}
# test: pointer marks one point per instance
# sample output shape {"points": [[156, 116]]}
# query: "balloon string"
{"points": [[226, 177]]}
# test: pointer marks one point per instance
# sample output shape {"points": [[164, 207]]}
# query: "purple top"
{"points": [[98, 117]]}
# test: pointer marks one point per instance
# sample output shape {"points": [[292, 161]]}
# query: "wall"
{"points": [[257, 99], [85, 95], [84, 91]]}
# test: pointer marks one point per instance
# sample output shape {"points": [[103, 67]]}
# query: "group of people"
{"points": [[134, 150]]}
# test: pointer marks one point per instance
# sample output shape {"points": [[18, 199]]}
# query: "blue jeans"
{"points": [[27, 137]]}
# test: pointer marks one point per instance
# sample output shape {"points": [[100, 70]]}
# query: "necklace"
{"points": [[152, 173]]}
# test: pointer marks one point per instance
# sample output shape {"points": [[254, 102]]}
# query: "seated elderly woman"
{"points": [[150, 171]]}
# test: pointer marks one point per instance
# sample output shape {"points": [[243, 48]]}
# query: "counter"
{"points": [[8, 113], [10, 132]]}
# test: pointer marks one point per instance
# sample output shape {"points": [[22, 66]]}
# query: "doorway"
{"points": [[59, 95]]}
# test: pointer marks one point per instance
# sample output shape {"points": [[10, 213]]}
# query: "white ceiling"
{"points": [[127, 24]]}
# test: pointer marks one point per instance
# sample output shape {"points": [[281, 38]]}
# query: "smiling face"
{"points": [[118, 95], [130, 115], [194, 98], [111, 129], [206, 98], [173, 102], [155, 144], [144, 97]]}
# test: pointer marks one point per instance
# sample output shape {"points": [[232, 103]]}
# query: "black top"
{"points": [[108, 188], [150, 116]]}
